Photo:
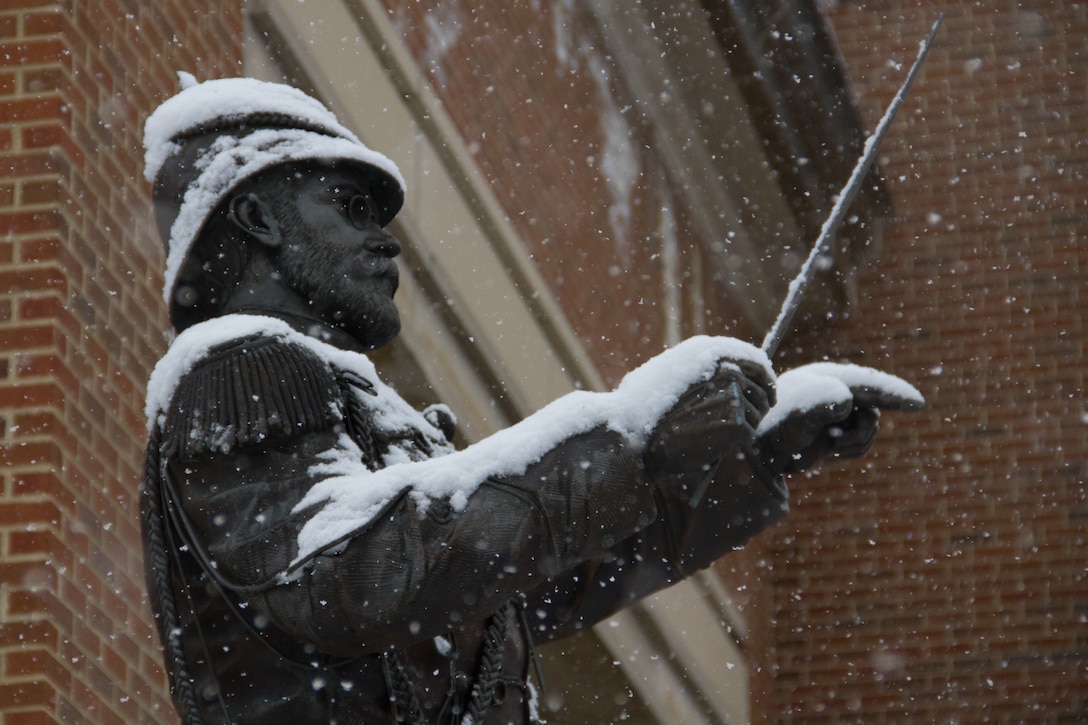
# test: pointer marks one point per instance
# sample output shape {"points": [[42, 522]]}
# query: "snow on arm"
{"points": [[351, 495]]}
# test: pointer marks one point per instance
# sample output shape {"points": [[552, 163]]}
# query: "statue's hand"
{"points": [[829, 409], [712, 418]]}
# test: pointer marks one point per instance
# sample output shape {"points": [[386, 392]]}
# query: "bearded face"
{"points": [[335, 254]]}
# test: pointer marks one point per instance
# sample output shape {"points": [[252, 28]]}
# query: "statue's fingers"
{"points": [[754, 407], [870, 387], [867, 397], [760, 379], [855, 435], [756, 399], [730, 396], [809, 399]]}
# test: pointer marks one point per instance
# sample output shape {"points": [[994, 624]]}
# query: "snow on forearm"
{"points": [[352, 495]]}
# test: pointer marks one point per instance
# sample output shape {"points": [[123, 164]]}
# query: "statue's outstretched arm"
{"points": [[408, 575], [713, 492], [822, 410], [404, 572]]}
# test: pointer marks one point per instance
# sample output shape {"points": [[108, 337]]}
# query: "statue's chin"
{"points": [[371, 330], [364, 309], [374, 339]]}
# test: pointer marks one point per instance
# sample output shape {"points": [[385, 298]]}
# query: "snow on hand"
{"points": [[826, 384]]}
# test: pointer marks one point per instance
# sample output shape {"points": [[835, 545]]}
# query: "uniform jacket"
{"points": [[427, 611]]}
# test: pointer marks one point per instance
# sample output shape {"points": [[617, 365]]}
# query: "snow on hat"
{"points": [[204, 141]]}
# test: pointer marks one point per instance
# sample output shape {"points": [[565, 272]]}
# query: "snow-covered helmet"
{"points": [[203, 142]]}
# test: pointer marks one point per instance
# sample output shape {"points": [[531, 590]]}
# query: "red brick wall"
{"points": [[536, 98], [943, 579], [81, 324]]}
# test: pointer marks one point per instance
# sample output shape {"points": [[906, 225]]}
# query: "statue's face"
{"points": [[336, 255]]}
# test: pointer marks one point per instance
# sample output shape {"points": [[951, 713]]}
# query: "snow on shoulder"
{"points": [[193, 345], [352, 496]]}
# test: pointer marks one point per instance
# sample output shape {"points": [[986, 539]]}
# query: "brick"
{"points": [[30, 395], [29, 575], [36, 250], [26, 337], [23, 4], [44, 135], [30, 717], [18, 634], [27, 222], [37, 664], [41, 541], [40, 163], [39, 307], [30, 109], [31, 52], [28, 512], [43, 80], [43, 23], [30, 453], [25, 694]]}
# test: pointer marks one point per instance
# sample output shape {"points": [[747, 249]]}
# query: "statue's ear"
{"points": [[253, 215]]}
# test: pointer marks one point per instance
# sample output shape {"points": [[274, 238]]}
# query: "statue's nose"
{"points": [[382, 243]]}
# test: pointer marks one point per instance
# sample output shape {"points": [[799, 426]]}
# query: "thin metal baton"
{"points": [[801, 282], [838, 212]]}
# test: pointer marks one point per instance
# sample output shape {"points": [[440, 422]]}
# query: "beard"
{"points": [[342, 293]]}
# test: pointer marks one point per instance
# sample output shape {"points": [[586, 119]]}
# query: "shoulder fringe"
{"points": [[248, 392]]}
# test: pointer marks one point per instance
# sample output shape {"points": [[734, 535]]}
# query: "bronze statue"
{"points": [[316, 550]]}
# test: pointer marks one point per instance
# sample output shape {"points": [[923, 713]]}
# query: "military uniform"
{"points": [[425, 613]]}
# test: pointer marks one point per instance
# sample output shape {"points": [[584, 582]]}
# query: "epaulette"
{"points": [[250, 391]]}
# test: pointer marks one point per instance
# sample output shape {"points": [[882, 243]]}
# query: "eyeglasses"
{"points": [[362, 210]]}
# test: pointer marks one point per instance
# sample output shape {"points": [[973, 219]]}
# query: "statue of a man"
{"points": [[317, 551]]}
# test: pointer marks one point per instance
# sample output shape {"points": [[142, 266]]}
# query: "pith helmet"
{"points": [[203, 142]]}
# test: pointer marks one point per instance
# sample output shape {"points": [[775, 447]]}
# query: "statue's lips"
{"points": [[373, 267], [370, 265]]}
